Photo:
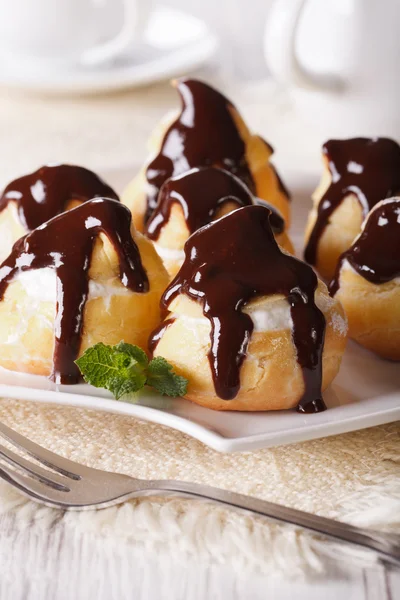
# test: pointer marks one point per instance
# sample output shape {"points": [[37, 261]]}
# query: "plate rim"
{"points": [[213, 439]]}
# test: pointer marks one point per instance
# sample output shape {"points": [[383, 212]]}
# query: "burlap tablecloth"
{"points": [[354, 477]]}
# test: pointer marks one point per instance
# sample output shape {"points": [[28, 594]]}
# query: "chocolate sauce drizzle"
{"points": [[366, 167], [228, 263], [42, 195], [65, 244], [375, 254], [201, 192], [205, 134]]}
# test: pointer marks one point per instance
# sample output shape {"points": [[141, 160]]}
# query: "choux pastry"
{"points": [[207, 132], [367, 281], [85, 276], [194, 199], [250, 326], [358, 173], [33, 199]]}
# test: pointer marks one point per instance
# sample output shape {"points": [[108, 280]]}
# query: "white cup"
{"points": [[69, 32], [340, 60]]}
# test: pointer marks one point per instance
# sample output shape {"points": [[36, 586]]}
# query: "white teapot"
{"points": [[341, 59]]}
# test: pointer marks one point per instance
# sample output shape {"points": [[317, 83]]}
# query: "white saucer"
{"points": [[173, 44]]}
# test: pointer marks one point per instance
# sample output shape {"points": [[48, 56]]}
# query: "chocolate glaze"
{"points": [[276, 221], [228, 263], [45, 193], [65, 244], [366, 167], [205, 134], [375, 254], [201, 192]]}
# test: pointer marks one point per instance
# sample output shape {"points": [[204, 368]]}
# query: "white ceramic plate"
{"points": [[174, 43], [365, 393]]}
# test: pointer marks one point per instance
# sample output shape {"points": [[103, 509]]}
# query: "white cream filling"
{"points": [[105, 291], [277, 317], [40, 286], [274, 318], [169, 254]]}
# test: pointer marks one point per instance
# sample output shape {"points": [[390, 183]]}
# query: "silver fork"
{"points": [[72, 486]]}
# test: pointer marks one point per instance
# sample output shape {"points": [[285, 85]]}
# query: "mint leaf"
{"points": [[124, 369], [134, 351], [100, 363], [160, 375], [125, 386], [114, 368]]}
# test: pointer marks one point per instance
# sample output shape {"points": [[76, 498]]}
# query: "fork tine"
{"points": [[48, 477], [46, 457], [32, 487]]}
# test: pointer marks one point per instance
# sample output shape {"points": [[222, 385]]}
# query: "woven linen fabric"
{"points": [[354, 477]]}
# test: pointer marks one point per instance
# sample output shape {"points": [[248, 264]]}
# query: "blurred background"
{"points": [[101, 116], [85, 81], [240, 26]]}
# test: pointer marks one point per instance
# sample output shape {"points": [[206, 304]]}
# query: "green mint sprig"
{"points": [[124, 369]]}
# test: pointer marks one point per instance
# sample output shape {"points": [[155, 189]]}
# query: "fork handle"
{"points": [[381, 543]]}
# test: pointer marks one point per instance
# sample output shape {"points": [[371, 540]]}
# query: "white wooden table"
{"points": [[62, 566]]}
